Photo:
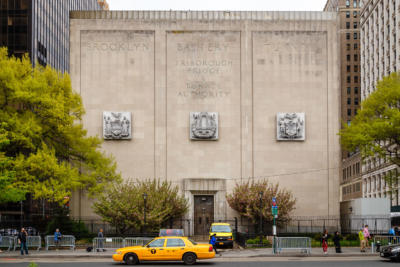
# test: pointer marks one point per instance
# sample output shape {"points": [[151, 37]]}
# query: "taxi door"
{"points": [[174, 248], [155, 250]]}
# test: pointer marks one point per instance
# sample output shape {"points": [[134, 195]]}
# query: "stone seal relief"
{"points": [[203, 125], [116, 125], [290, 126]]}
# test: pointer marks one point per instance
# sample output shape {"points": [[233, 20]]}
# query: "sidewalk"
{"points": [[237, 253]]}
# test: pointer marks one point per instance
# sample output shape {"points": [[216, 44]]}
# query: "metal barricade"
{"points": [[32, 241], [301, 244], [7, 242], [65, 241], [384, 240], [107, 243], [136, 241]]}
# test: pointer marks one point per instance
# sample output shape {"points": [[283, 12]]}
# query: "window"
{"points": [[356, 101], [355, 57], [355, 112], [348, 79], [347, 14], [175, 242], [348, 57], [356, 90], [355, 46], [347, 36], [354, 3], [355, 36], [348, 101], [347, 25], [348, 68], [156, 243], [355, 68], [347, 3], [355, 25], [348, 47], [355, 79], [348, 112], [354, 14], [348, 90]]}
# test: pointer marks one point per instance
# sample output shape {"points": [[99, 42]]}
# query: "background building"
{"points": [[242, 69], [349, 13], [380, 32], [40, 28]]}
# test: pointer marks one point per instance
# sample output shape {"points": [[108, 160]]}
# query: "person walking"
{"points": [[325, 241], [362, 240], [367, 236], [22, 237], [57, 238], [100, 235], [213, 242], [336, 241]]}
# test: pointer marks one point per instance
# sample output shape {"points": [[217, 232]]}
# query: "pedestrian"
{"points": [[57, 238], [22, 237], [325, 241], [391, 233], [1, 241], [367, 236], [336, 241], [362, 240], [100, 235], [213, 242]]}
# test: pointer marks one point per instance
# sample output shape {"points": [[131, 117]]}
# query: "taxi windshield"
{"points": [[221, 229]]}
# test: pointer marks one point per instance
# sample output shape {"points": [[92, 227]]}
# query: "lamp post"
{"points": [[261, 226], [144, 210]]}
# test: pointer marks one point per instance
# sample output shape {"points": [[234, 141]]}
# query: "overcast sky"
{"points": [[265, 5]]}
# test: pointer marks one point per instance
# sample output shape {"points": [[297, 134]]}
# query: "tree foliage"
{"points": [[375, 130], [44, 150], [245, 199], [122, 205]]}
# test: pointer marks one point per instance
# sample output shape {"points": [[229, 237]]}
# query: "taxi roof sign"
{"points": [[171, 232]]}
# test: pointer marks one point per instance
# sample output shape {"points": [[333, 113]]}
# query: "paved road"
{"points": [[256, 262]]}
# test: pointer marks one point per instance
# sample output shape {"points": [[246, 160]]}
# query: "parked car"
{"points": [[391, 252], [223, 234]]}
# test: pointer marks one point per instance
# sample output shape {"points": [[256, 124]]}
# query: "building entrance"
{"points": [[203, 214]]}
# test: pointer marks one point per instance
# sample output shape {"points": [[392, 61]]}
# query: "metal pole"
{"points": [[21, 219], [261, 237], [144, 215]]}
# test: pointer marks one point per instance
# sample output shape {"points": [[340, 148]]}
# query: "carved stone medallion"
{"points": [[116, 125], [203, 125], [290, 126]]}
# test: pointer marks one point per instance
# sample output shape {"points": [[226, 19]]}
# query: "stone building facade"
{"points": [[380, 32], [215, 98]]}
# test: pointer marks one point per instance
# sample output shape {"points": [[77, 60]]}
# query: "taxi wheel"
{"points": [[189, 258], [131, 259]]}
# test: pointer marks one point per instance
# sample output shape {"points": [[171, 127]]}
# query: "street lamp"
{"points": [[261, 226], [144, 209]]}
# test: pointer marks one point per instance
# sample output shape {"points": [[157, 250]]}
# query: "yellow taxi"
{"points": [[165, 248], [223, 234]]}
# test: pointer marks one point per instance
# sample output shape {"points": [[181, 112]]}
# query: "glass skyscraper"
{"points": [[40, 28]]}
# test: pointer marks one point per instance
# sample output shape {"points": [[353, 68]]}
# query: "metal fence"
{"points": [[65, 241], [101, 243], [31, 242], [300, 244], [7, 242]]}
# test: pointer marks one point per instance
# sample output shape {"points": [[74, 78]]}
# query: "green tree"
{"points": [[44, 150], [122, 205], [245, 199], [375, 130]]}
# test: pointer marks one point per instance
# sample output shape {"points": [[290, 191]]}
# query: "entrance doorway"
{"points": [[203, 214]]}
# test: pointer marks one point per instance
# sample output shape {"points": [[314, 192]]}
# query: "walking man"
{"points": [[100, 235], [57, 238], [213, 241], [22, 237], [362, 240]]}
